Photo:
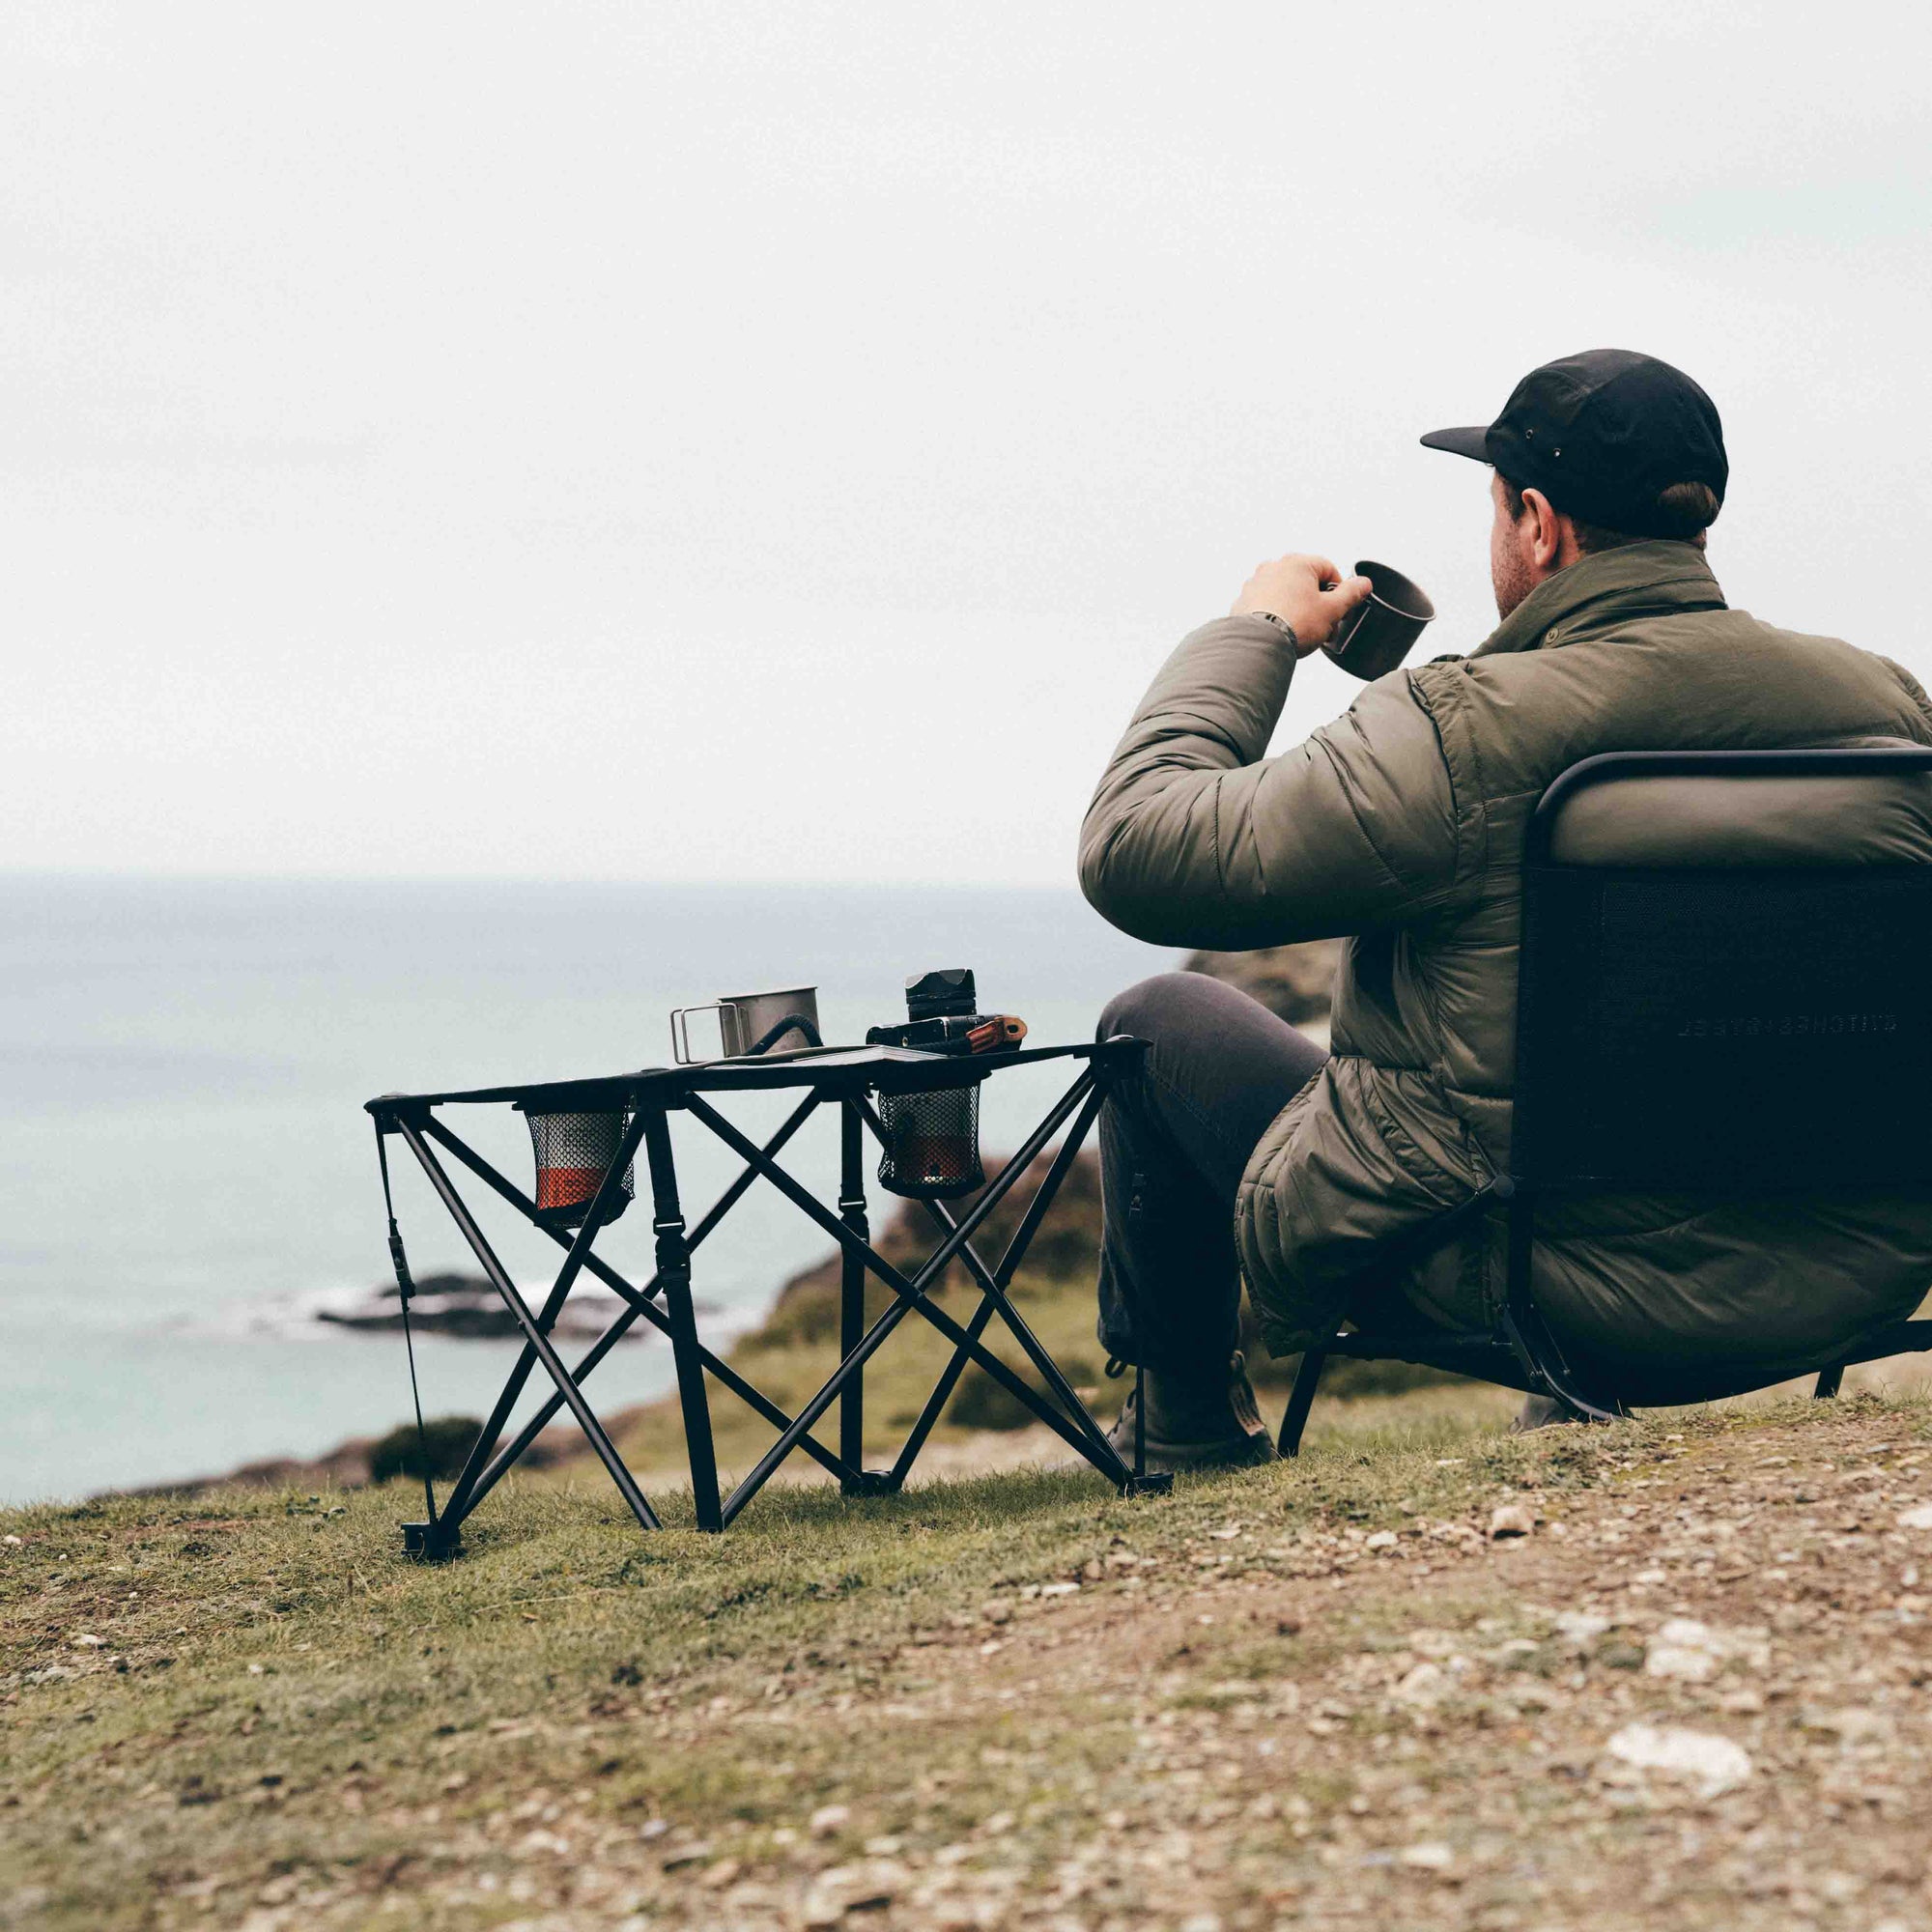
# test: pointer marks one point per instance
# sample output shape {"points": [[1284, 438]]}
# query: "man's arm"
{"points": [[1193, 838]]}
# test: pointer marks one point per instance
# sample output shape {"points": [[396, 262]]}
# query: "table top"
{"points": [[833, 1071]]}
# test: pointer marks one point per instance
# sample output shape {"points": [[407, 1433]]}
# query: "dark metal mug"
{"points": [[1377, 634]]}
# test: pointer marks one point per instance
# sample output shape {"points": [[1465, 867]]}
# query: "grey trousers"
{"points": [[1173, 1143]]}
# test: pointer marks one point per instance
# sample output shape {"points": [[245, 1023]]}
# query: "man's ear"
{"points": [[1546, 531]]}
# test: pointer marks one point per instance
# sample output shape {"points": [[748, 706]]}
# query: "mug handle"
{"points": [[1346, 630], [680, 1030]]}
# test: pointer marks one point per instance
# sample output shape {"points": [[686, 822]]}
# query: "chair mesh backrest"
{"points": [[1726, 1028]]}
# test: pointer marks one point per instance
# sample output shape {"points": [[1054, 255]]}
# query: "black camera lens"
{"points": [[938, 994]]}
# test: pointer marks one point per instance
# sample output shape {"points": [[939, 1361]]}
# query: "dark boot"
{"points": [[1196, 1423]]}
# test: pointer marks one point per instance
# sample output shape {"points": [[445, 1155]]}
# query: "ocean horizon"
{"points": [[185, 1062]]}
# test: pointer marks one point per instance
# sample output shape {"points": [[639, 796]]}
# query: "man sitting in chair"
{"points": [[1244, 1151]]}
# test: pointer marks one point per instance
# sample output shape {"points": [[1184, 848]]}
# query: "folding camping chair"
{"points": [[1682, 990]]}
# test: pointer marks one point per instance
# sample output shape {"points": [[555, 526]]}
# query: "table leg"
{"points": [[852, 1297], [909, 1292], [993, 1284], [533, 1334], [674, 1257], [462, 1496], [638, 1303]]}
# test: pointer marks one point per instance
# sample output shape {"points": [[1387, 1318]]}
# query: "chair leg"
{"points": [[1524, 1326], [1300, 1401], [1828, 1382]]}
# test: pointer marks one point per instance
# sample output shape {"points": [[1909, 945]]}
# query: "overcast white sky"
{"points": [[780, 442]]}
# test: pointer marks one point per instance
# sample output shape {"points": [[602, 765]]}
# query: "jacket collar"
{"points": [[1597, 592]]}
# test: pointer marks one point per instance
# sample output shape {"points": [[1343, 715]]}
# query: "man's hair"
{"points": [[1685, 512]]}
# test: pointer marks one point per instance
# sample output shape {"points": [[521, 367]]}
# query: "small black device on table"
{"points": [[925, 1076]]}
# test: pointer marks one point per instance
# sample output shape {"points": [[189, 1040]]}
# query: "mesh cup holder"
{"points": [[931, 1143], [574, 1153]]}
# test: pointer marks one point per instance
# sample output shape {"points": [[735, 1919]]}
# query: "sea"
{"points": [[191, 1177]]}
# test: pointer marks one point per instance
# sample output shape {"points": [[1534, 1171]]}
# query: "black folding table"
{"points": [[846, 1077]]}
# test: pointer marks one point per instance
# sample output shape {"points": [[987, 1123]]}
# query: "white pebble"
{"points": [[1713, 1764]]}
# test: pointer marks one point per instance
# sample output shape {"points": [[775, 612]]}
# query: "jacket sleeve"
{"points": [[1194, 839]]}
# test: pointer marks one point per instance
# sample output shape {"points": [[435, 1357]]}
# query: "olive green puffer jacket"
{"points": [[1401, 826]]}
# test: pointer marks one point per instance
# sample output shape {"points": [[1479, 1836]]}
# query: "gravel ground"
{"points": [[1690, 1692]]}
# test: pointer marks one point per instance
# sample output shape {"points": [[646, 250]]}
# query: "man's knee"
{"points": [[1148, 1010]]}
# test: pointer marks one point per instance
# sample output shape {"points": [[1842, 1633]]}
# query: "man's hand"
{"points": [[1307, 593]]}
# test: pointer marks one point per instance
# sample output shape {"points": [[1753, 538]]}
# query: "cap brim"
{"points": [[1473, 442]]}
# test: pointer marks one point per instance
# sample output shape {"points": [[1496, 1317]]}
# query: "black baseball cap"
{"points": [[1603, 434]]}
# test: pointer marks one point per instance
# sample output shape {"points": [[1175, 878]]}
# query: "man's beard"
{"points": [[1511, 579]]}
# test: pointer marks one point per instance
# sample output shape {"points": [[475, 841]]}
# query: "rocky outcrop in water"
{"points": [[467, 1306]]}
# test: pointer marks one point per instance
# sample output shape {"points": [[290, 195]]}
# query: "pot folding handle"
{"points": [[680, 1030]]}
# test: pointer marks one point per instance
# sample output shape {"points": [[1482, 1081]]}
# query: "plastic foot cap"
{"points": [[430, 1542]]}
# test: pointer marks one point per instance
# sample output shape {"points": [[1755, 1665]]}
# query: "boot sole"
{"points": [[1250, 1452]]}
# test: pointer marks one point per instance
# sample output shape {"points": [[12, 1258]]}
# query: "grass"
{"points": [[276, 1692]]}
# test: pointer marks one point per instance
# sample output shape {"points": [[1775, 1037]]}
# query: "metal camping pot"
{"points": [[751, 1023], [1377, 634]]}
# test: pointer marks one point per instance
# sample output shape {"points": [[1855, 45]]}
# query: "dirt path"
{"points": [[1694, 1694]]}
